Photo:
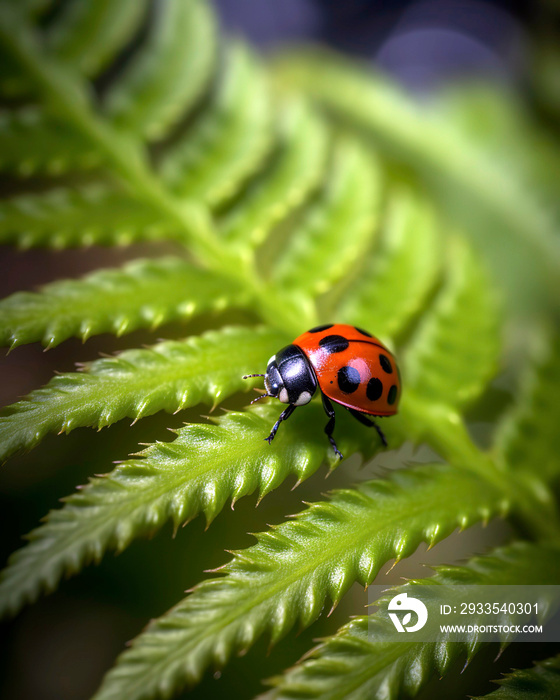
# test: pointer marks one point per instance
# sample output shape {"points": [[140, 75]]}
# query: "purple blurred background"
{"points": [[421, 42]]}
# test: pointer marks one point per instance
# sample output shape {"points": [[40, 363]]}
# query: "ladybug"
{"points": [[347, 364]]}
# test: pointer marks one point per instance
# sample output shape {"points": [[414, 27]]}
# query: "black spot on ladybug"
{"points": [[348, 379], [360, 330], [334, 343], [385, 364], [318, 329], [374, 389], [392, 397]]}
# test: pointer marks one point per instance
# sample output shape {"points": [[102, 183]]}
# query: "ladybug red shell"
{"points": [[347, 364]]}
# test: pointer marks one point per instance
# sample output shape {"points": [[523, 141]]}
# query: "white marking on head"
{"points": [[283, 396], [303, 398], [271, 360]]}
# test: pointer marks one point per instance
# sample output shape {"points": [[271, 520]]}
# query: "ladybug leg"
{"points": [[329, 428], [370, 424], [286, 413]]}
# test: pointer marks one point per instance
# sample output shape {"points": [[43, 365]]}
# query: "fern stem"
{"points": [[66, 99], [444, 429]]}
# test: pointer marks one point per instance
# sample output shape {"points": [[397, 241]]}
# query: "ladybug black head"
{"points": [[272, 380], [289, 377]]}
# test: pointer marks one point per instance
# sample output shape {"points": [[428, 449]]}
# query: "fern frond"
{"points": [[169, 72], [142, 294], [337, 229], [89, 33], [528, 438], [446, 160], [91, 215], [295, 566], [541, 682], [197, 473], [456, 349], [137, 383], [230, 138], [393, 288], [66, 96], [363, 660], [30, 144], [294, 174], [194, 144]]}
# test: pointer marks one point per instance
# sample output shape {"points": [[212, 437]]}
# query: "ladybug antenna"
{"points": [[262, 396], [248, 376]]}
